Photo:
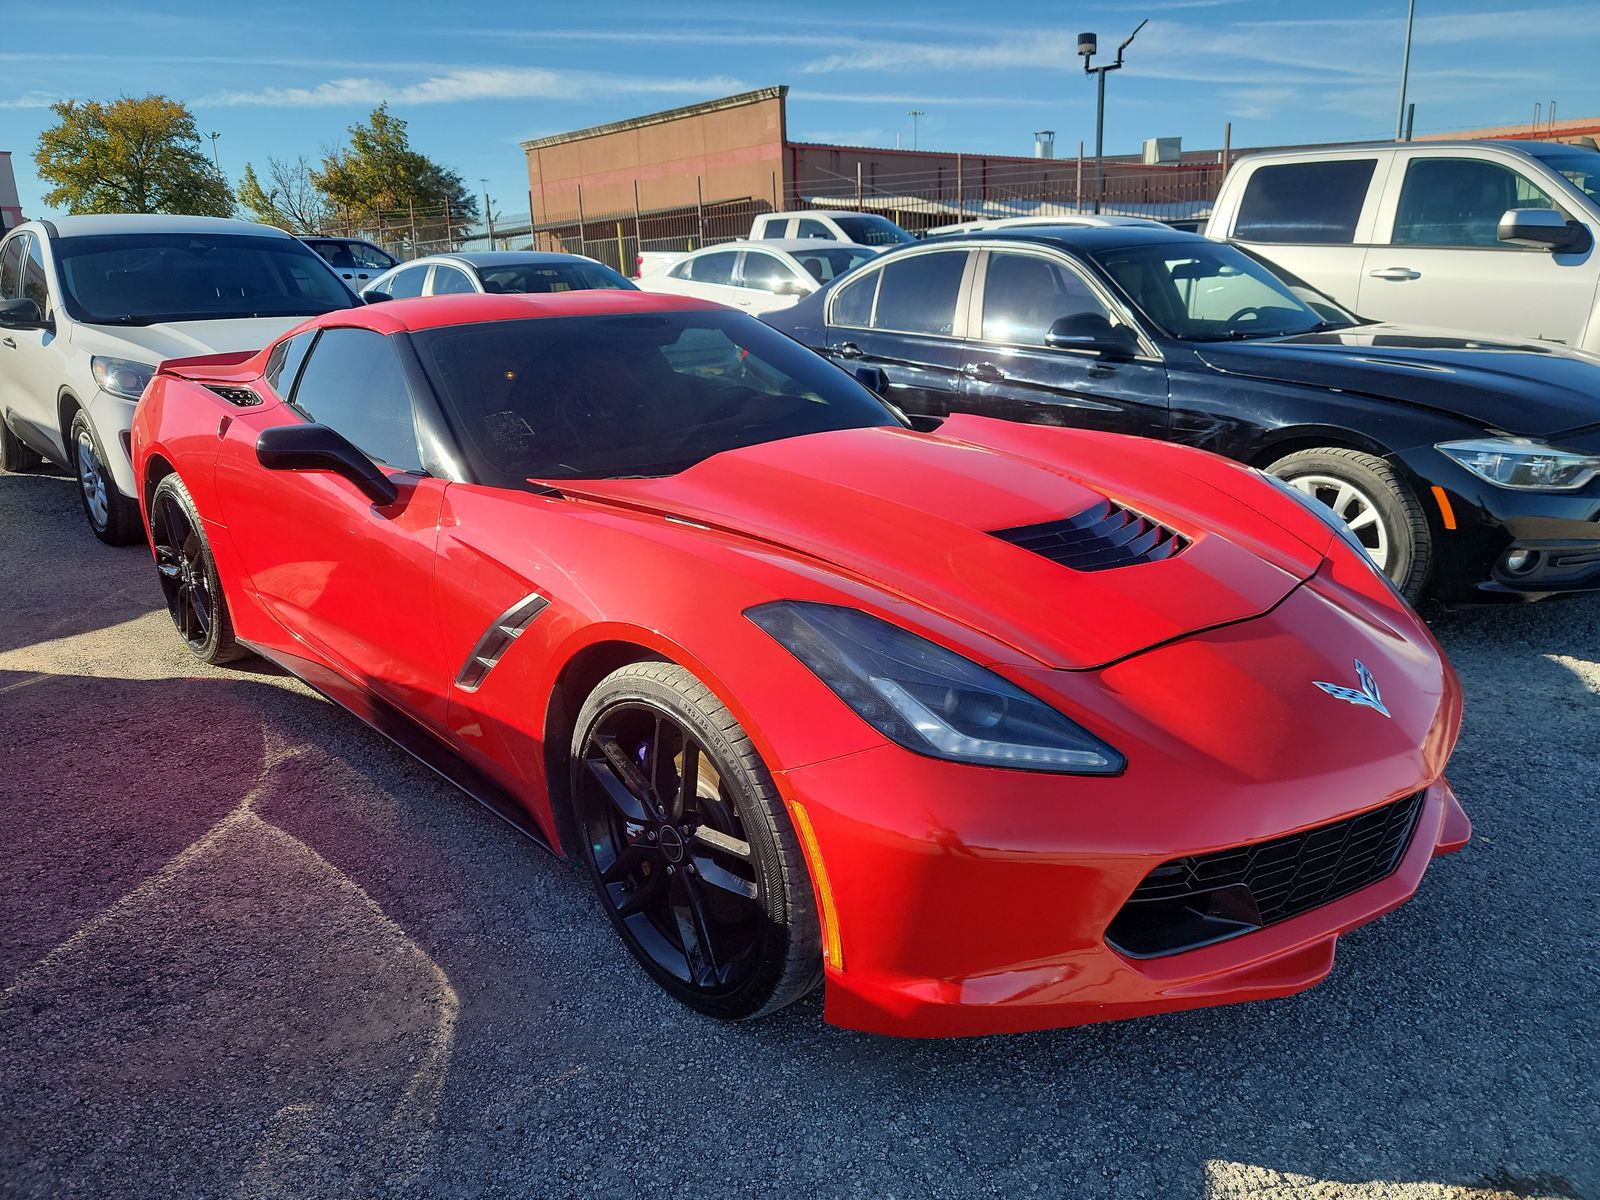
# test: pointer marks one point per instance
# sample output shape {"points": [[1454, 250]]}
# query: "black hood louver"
{"points": [[242, 397], [1102, 536]]}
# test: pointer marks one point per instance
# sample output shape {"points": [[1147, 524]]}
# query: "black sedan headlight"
{"points": [[1523, 464], [929, 699]]}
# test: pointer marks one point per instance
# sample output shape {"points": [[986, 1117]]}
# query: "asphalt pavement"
{"points": [[247, 949]]}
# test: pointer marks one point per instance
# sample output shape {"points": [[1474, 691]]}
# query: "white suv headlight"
{"points": [[121, 376], [1523, 464]]}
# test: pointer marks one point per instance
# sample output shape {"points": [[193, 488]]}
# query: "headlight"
{"points": [[1523, 464], [120, 376], [929, 699]]}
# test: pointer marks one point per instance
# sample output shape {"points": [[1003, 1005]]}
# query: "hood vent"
{"points": [[241, 397], [1102, 536]]}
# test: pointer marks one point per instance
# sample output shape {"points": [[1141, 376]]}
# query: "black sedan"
{"points": [[1469, 467]]}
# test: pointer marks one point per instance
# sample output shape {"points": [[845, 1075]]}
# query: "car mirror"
{"points": [[1092, 332], [319, 448], [1544, 229], [874, 379], [375, 297], [21, 314]]}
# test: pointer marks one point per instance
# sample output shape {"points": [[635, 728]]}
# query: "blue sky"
{"points": [[474, 79]]}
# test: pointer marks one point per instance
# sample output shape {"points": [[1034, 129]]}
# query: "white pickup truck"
{"points": [[855, 228], [1490, 237]]}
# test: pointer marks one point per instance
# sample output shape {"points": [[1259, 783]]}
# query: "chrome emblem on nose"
{"points": [[1367, 697]]}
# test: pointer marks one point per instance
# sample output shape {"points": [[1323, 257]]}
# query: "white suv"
{"points": [[90, 305], [1496, 237]]}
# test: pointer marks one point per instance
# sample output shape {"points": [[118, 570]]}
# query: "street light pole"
{"points": [[914, 114], [215, 161], [488, 212], [1089, 46], [1405, 72]]}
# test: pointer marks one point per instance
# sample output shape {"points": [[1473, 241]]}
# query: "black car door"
{"points": [[1009, 372], [906, 317]]}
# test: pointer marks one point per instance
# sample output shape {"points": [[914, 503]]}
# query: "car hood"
{"points": [[914, 515], [182, 339], [1531, 389]]}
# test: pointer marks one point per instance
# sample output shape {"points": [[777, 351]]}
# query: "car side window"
{"points": [[1459, 202], [681, 270], [714, 268], [852, 303], [763, 272], [808, 228], [353, 382], [449, 281], [371, 257], [408, 283], [284, 362], [11, 269], [1025, 294], [917, 293], [1310, 204], [35, 282]]}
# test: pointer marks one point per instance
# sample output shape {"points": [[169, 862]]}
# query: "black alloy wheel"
{"points": [[689, 845], [188, 575]]}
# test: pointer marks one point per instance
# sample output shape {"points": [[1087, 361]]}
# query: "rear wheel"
{"points": [[113, 517], [189, 575], [1374, 502], [690, 847], [14, 456]]}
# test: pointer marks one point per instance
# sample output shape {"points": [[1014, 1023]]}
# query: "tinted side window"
{"points": [[353, 382], [1314, 203], [918, 293], [408, 283], [336, 254], [852, 306], [364, 255], [11, 270], [35, 285], [807, 228], [714, 268], [284, 364], [763, 272], [1459, 202], [1024, 294], [448, 281]]}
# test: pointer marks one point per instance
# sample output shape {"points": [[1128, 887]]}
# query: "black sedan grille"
{"points": [[1205, 898], [1102, 536]]}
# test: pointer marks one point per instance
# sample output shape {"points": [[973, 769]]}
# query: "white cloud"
{"points": [[1258, 104], [32, 100], [474, 83]]}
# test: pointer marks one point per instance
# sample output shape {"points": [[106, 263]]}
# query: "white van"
{"points": [[1494, 237], [90, 305]]}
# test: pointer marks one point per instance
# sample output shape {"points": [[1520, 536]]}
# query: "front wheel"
{"points": [[690, 847], [113, 517], [1370, 497]]}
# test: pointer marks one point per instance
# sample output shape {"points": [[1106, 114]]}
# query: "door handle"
{"points": [[1396, 273], [985, 371], [9, 343], [845, 350]]}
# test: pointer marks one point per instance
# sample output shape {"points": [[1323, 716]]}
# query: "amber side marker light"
{"points": [[832, 949], [1445, 511]]}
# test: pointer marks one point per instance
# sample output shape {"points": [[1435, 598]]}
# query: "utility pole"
{"points": [[215, 161], [1088, 47], [488, 212], [914, 114], [1405, 73]]}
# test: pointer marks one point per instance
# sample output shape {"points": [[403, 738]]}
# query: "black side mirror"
{"points": [[372, 297], [319, 448], [874, 379], [1095, 333], [1543, 229], [21, 314]]}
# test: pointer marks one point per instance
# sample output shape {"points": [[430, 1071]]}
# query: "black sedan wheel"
{"points": [[189, 575], [689, 845]]}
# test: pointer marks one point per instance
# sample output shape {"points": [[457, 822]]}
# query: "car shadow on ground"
{"points": [[247, 946]]}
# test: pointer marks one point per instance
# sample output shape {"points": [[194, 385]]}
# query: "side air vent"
{"points": [[497, 639], [1102, 536], [242, 397]]}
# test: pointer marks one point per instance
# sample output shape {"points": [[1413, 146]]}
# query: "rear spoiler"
{"points": [[209, 366]]}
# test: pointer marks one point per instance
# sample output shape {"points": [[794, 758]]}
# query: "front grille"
{"points": [[243, 397], [1205, 898], [1102, 536]]}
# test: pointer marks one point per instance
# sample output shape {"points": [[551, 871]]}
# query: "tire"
{"points": [[14, 456], [188, 574], [750, 913], [113, 517], [1354, 484]]}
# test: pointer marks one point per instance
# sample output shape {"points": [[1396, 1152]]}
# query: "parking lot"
{"points": [[249, 949]]}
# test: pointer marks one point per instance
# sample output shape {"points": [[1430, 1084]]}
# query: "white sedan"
{"points": [[757, 276]]}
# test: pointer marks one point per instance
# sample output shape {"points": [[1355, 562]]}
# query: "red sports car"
{"points": [[990, 727]]}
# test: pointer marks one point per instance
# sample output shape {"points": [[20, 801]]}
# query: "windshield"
{"points": [[873, 231], [552, 277], [823, 264], [143, 278], [633, 394], [1205, 291], [1581, 167]]}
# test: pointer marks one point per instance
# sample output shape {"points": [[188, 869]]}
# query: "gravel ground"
{"points": [[247, 949]]}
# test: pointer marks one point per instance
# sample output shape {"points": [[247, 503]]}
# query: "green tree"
{"points": [[134, 155], [381, 180], [288, 198]]}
